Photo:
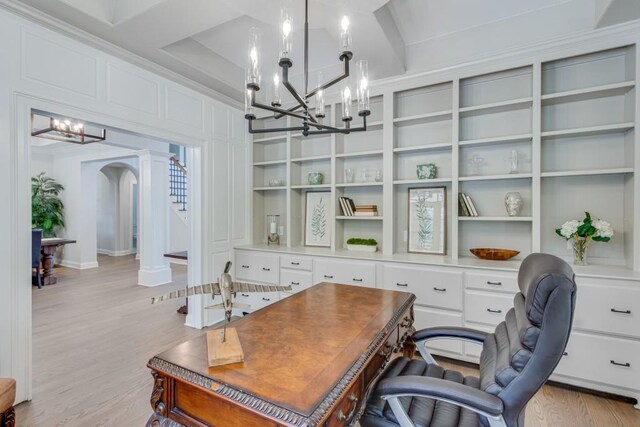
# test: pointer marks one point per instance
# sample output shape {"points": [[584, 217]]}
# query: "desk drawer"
{"points": [[349, 273], [605, 308], [492, 282], [296, 262], [608, 360], [347, 407], [257, 267], [435, 288], [486, 308], [298, 280]]}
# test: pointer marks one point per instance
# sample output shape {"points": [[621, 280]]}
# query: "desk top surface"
{"points": [[55, 241], [298, 349]]}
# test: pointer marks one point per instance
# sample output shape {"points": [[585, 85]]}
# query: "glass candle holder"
{"points": [[273, 238]]}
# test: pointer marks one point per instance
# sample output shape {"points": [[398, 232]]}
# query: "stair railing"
{"points": [[178, 182]]}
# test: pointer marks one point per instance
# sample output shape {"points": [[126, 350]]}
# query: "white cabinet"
{"points": [[257, 300], [427, 318], [487, 308], [346, 272], [492, 281], [257, 267], [432, 287], [298, 280], [296, 262]]}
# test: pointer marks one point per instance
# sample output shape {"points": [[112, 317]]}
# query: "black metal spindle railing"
{"points": [[178, 183]]}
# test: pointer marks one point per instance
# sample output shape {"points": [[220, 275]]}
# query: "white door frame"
{"points": [[20, 212]]}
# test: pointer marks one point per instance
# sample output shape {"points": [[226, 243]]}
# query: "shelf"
{"points": [[588, 93], [428, 147], [361, 184], [270, 163], [360, 154], [591, 172], [497, 140], [421, 181], [373, 125], [310, 158], [364, 218], [496, 218], [589, 131], [269, 139], [269, 188], [308, 186], [495, 177], [512, 104], [423, 118]]}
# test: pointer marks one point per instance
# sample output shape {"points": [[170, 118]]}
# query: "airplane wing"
{"points": [[209, 288], [252, 287]]}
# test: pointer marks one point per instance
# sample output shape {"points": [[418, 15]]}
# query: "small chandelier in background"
{"points": [[311, 121], [65, 130]]}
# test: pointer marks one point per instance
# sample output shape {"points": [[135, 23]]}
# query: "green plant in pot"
{"points": [[47, 210], [365, 245]]}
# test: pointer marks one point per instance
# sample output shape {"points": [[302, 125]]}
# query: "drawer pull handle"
{"points": [[404, 285], [326, 276], [295, 263], [266, 299], [440, 289], [266, 269], [245, 295], [494, 311], [357, 280], [295, 283], [565, 354], [613, 310], [494, 283], [341, 416], [626, 365], [245, 266]]}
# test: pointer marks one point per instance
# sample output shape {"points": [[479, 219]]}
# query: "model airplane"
{"points": [[226, 288]]}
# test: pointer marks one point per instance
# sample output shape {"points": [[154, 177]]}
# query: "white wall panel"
{"points": [[48, 62], [221, 182], [131, 90], [184, 109]]}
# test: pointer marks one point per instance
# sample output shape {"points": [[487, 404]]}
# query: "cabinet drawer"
{"points": [[257, 267], [298, 280], [492, 282], [608, 309], [487, 308], [257, 300], [435, 288], [296, 263], [426, 318], [614, 361], [349, 273]]}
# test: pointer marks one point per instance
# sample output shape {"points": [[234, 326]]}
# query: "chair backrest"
{"points": [[521, 354], [36, 243]]}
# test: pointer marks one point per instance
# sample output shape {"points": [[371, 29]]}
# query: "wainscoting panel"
{"points": [[184, 109], [131, 90]]}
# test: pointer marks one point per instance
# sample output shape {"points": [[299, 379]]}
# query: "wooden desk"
{"points": [[49, 247], [310, 360]]}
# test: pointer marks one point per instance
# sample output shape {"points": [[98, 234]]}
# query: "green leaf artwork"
{"points": [[424, 215], [319, 220]]}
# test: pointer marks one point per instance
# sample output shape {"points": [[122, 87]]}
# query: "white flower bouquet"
{"points": [[580, 233]]}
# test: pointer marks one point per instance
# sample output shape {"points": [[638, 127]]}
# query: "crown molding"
{"points": [[49, 22]]}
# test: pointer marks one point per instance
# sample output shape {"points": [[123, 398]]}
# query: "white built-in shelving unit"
{"points": [[570, 120]]}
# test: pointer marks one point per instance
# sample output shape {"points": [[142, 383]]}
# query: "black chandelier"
{"points": [[311, 121]]}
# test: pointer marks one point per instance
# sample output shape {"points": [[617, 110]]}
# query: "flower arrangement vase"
{"points": [[580, 247]]}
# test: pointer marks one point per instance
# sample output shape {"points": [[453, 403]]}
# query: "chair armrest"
{"points": [[455, 332], [458, 394]]}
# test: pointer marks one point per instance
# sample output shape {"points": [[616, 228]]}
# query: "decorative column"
{"points": [[154, 218]]}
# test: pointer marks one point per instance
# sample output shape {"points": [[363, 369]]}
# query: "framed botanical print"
{"points": [[428, 220], [317, 231]]}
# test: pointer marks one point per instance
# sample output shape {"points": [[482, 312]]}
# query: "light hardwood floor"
{"points": [[95, 331]]}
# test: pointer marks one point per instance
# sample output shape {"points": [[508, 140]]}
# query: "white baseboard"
{"points": [[154, 277], [178, 261], [114, 253], [78, 265]]}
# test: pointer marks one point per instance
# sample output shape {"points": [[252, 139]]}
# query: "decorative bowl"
{"points": [[315, 178], [494, 254]]}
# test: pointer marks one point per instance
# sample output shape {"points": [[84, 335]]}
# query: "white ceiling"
{"points": [[206, 40]]}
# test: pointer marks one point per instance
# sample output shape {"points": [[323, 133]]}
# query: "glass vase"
{"points": [[580, 246]]}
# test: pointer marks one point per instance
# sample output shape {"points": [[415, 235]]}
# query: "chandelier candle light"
{"points": [[311, 121]]}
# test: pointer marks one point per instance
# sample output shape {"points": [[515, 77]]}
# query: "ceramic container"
{"points": [[315, 178], [426, 171]]}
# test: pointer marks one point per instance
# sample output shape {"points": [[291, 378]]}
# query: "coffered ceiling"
{"points": [[205, 40]]}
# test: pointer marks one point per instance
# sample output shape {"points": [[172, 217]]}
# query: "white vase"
{"points": [[513, 203]]}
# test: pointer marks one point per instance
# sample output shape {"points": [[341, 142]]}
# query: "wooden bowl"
{"points": [[494, 254]]}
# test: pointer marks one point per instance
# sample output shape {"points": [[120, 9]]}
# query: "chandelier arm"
{"points": [[345, 59], [273, 130], [278, 110], [292, 109], [345, 130], [290, 88]]}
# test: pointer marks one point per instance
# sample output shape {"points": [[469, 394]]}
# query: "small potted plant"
{"points": [[580, 234], [363, 245]]}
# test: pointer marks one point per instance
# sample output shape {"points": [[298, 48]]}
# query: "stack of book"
{"points": [[349, 208], [467, 207]]}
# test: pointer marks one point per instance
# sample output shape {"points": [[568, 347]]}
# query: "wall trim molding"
{"points": [[109, 252], [49, 22], [78, 265]]}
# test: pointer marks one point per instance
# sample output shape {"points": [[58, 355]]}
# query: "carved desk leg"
{"points": [[406, 325], [8, 419], [158, 406]]}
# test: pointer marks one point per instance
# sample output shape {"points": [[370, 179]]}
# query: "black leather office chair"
{"points": [[36, 246], [516, 360]]}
